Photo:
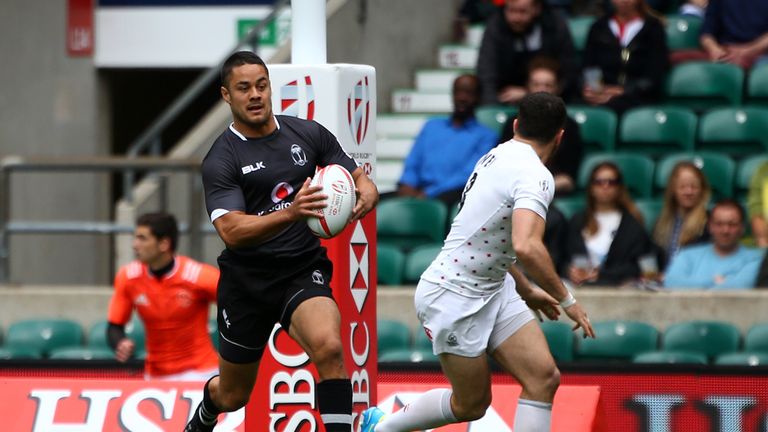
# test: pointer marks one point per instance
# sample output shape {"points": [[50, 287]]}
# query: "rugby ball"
{"points": [[338, 184]]}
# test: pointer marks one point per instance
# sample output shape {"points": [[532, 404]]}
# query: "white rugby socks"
{"points": [[432, 409], [532, 416]]}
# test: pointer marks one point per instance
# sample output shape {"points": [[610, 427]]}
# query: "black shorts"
{"points": [[253, 295]]}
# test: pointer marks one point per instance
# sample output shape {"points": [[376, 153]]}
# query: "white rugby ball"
{"points": [[339, 186]]}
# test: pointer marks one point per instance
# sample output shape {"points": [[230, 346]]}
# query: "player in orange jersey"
{"points": [[172, 295]]}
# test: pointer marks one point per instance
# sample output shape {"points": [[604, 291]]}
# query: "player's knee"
{"points": [[472, 410], [329, 353], [232, 401], [547, 384]]}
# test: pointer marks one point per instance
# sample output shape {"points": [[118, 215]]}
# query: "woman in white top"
{"points": [[606, 240]]}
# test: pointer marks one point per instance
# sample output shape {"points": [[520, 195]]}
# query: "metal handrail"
{"points": [[11, 164]]}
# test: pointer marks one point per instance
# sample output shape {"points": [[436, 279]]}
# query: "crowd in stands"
{"points": [[616, 221]]}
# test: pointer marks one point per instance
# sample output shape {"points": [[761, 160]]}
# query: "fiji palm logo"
{"points": [[359, 110], [297, 99]]}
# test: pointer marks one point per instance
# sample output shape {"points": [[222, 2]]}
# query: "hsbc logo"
{"points": [[253, 167], [297, 99], [359, 110], [281, 191], [358, 266]]}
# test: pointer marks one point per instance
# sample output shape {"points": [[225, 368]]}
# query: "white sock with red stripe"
{"points": [[532, 416], [430, 410]]}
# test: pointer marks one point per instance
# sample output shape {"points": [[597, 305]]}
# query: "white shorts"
{"points": [[469, 326]]}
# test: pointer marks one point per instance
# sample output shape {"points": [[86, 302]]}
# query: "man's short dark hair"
{"points": [[732, 203], [541, 116], [238, 59], [161, 225]]}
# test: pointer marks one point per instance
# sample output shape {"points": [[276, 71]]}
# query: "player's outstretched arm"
{"points": [[238, 229], [367, 194], [527, 234]]}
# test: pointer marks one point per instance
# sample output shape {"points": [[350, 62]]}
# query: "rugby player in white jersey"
{"points": [[473, 302]]}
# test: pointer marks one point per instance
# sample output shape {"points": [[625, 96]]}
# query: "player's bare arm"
{"points": [[238, 229], [536, 298], [367, 194], [527, 234]]}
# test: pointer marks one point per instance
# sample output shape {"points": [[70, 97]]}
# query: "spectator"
{"points": [[544, 76], [757, 205], [625, 58], [683, 218], [606, 240], [762, 273], [172, 295], [473, 12], [722, 263], [736, 31], [445, 152], [524, 29], [694, 8]]}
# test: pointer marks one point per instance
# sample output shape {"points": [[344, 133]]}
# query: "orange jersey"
{"points": [[174, 310]]}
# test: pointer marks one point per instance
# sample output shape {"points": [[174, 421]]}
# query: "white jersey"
{"points": [[478, 250]]}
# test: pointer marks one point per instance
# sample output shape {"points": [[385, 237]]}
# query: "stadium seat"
{"points": [[682, 357], [682, 32], [97, 334], [19, 352], [701, 85], [743, 359], [409, 222], [636, 169], [756, 338], [560, 339], [392, 335], [657, 131], [710, 338], [719, 169], [597, 127], [579, 27], [81, 353], [651, 209], [734, 131], [571, 205], [390, 262], [757, 85], [745, 169], [618, 340], [495, 117], [420, 339], [408, 355], [44, 335], [417, 260]]}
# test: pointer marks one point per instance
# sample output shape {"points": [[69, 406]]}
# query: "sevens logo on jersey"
{"points": [[297, 99], [281, 191], [358, 110]]}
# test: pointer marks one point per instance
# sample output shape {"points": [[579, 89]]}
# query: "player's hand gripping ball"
{"points": [[339, 186]]}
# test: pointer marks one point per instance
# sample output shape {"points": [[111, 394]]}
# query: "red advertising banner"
{"points": [[80, 27], [284, 396], [67, 405]]}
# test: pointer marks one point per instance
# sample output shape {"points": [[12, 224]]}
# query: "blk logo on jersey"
{"points": [[281, 191], [358, 110], [253, 167], [298, 155], [297, 99]]}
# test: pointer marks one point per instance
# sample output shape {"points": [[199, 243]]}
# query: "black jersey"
{"points": [[261, 175]]}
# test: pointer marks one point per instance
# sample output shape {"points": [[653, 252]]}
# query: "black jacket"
{"points": [[630, 242]]}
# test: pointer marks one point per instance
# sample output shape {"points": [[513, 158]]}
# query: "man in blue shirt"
{"points": [[736, 31], [721, 264], [445, 152]]}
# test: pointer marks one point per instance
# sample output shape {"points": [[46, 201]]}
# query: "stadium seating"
{"points": [[417, 260], [579, 27], [657, 131], [701, 85], [420, 339], [757, 85], [19, 352], [618, 340], [409, 222], [390, 262], [408, 355], [97, 334], [44, 335], [683, 357], [719, 169], [743, 359], [682, 32], [597, 127], [392, 335], [560, 339], [651, 209], [745, 169], [81, 353], [710, 338], [756, 338], [734, 131], [636, 169], [495, 117], [571, 205]]}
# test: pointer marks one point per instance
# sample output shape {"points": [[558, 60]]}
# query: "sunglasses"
{"points": [[606, 182]]}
